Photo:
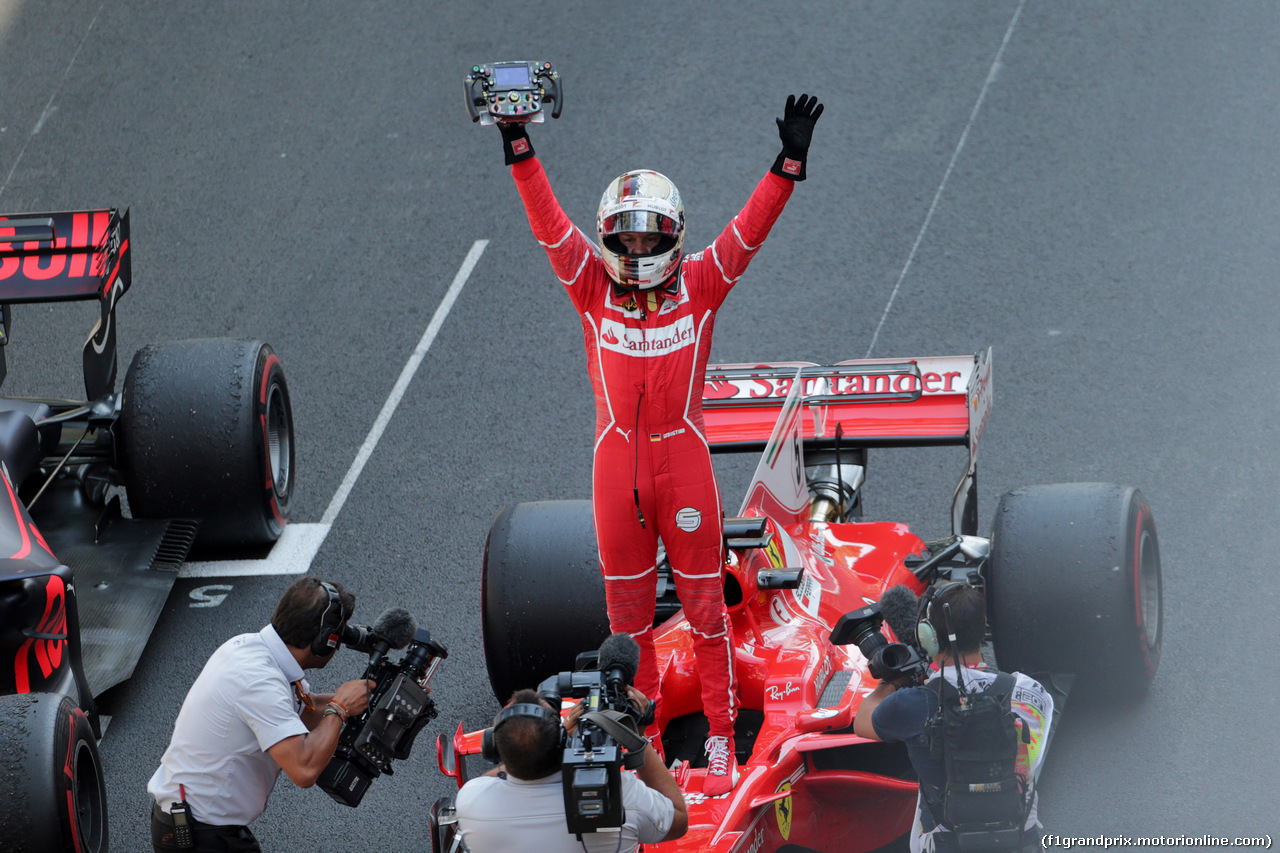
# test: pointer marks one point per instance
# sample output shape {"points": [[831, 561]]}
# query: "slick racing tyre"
{"points": [[442, 824], [55, 799], [542, 594], [207, 433], [1075, 585]]}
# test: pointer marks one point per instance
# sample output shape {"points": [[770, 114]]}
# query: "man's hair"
{"points": [[528, 746], [302, 607], [960, 610]]}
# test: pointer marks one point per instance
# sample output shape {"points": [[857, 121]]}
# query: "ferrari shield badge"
{"points": [[782, 809]]}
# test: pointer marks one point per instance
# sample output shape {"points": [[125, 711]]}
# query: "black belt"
{"points": [[164, 817], [161, 815]]}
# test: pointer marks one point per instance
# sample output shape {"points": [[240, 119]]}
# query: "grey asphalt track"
{"points": [[304, 172]]}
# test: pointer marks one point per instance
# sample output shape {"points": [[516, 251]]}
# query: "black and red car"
{"points": [[102, 498]]}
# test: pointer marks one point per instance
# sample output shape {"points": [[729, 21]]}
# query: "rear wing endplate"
{"points": [[69, 255]]}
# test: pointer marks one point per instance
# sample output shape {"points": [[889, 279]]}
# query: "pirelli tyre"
{"points": [[206, 432], [1075, 585], [542, 597], [442, 824], [55, 800]]}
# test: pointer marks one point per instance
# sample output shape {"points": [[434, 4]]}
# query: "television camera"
{"points": [[885, 660], [399, 704], [608, 735]]}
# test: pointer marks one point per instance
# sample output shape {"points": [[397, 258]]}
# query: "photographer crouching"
{"points": [[250, 715], [557, 786], [975, 736]]}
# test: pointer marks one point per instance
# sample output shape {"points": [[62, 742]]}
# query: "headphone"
{"points": [[329, 637], [930, 639], [489, 749]]}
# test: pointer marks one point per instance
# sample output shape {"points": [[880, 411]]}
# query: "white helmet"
{"points": [[646, 202]]}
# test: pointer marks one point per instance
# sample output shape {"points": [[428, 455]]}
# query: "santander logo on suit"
{"points": [[657, 341]]}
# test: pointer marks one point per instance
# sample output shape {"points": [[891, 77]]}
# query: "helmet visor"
{"points": [[643, 221]]}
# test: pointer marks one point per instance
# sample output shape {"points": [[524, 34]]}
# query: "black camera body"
{"points": [[885, 660], [399, 707], [593, 758]]}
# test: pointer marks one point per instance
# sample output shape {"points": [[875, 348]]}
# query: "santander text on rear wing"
{"points": [[68, 255], [939, 400]]}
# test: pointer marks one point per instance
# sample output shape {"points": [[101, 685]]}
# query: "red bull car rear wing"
{"points": [[48, 257], [68, 255]]}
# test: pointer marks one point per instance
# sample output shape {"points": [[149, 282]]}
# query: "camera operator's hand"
{"points": [[354, 696], [795, 129], [304, 757], [654, 774], [575, 714], [643, 706], [638, 699], [516, 145]]}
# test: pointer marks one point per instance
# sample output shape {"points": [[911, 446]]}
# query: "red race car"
{"points": [[1071, 573]]}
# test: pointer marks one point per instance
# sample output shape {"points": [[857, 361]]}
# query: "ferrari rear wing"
{"points": [[68, 255], [933, 401], [936, 401]]}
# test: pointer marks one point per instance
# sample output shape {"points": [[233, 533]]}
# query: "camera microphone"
{"points": [[899, 606], [393, 629], [396, 626], [621, 653]]}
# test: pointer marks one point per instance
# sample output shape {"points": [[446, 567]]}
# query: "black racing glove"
{"points": [[796, 129], [516, 144]]}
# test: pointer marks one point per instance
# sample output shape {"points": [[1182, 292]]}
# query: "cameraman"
{"points": [[519, 805], [248, 716], [901, 712]]}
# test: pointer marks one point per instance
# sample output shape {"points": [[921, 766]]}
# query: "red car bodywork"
{"points": [[809, 782]]}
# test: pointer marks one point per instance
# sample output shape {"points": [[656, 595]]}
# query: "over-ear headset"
{"points": [[931, 640], [329, 636], [489, 749]]}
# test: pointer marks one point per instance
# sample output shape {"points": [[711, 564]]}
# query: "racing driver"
{"points": [[647, 312]]}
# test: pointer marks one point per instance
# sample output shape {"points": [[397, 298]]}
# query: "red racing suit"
{"points": [[652, 477]]}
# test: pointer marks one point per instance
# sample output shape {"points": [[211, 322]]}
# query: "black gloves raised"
{"points": [[516, 144], [795, 129]]}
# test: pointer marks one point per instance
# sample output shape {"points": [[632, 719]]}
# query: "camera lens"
{"points": [[871, 641]]}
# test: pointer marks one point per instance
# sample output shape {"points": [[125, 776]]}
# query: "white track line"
{"points": [[937, 196], [300, 543], [49, 108]]}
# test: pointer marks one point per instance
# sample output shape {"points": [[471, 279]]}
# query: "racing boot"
{"points": [[653, 734], [722, 766]]}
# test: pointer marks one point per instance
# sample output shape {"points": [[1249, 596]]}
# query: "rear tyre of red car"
{"points": [[207, 433], [55, 799], [542, 597], [1075, 585]]}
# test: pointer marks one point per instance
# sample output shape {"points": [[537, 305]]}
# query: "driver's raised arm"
{"points": [[733, 250]]}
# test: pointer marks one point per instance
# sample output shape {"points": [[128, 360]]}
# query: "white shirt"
{"points": [[498, 815], [240, 706]]}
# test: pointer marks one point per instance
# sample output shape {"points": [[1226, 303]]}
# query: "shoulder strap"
{"points": [[1002, 688]]}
